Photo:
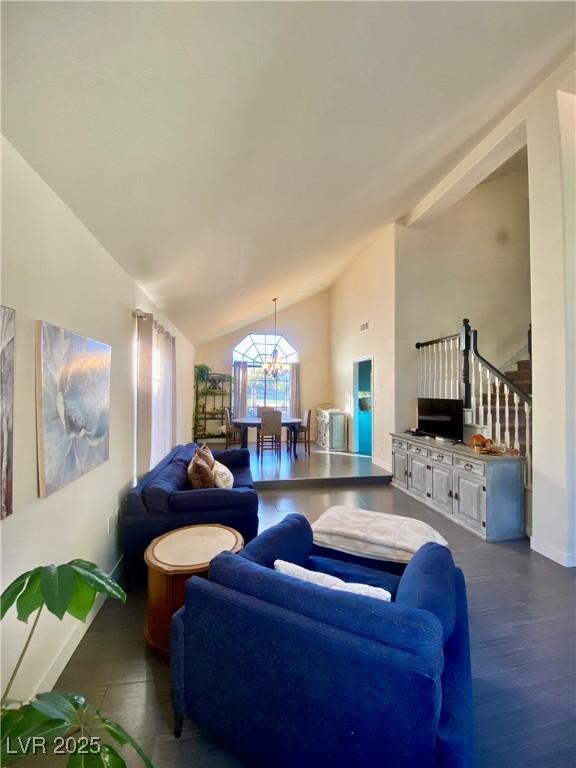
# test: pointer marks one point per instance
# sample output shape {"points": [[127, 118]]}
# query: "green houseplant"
{"points": [[202, 372], [54, 718]]}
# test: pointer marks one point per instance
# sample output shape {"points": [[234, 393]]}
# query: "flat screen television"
{"points": [[441, 418]]}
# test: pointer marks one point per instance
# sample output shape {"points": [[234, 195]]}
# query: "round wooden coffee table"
{"points": [[171, 560]]}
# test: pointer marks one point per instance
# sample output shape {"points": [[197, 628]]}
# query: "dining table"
{"points": [[249, 422]]}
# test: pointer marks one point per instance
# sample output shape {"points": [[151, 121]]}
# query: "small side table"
{"points": [[171, 560]]}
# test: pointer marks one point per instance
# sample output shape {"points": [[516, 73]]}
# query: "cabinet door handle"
{"points": [[409, 474], [456, 497], [405, 473], [440, 457], [468, 466], [449, 494], [428, 466], [418, 450], [429, 495]]}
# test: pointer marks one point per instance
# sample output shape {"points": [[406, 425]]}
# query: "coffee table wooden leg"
{"points": [[159, 611]]}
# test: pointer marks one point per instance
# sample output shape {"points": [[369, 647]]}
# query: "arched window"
{"points": [[256, 350]]}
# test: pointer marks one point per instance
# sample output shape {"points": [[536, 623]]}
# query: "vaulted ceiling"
{"points": [[225, 153]]}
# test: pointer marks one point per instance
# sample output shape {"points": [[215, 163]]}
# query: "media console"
{"points": [[482, 493]]}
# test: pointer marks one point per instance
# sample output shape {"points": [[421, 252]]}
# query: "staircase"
{"points": [[497, 404], [522, 376]]}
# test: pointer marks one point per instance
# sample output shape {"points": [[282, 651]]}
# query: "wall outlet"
{"points": [[111, 525]]}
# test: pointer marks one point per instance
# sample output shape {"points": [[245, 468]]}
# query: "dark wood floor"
{"points": [[522, 626]]}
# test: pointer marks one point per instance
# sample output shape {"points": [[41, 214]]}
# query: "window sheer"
{"points": [[156, 385]]}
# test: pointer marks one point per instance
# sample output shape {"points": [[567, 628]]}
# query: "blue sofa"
{"points": [[293, 675], [163, 501]]}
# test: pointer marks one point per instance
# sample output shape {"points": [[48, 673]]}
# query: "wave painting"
{"points": [[73, 382]]}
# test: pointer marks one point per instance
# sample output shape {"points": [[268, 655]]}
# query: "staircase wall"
{"points": [[474, 262]]}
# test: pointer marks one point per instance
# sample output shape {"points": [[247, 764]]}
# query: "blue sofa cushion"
{"points": [[403, 628], [172, 478], [429, 583], [242, 478], [233, 458], [289, 540], [185, 452], [206, 499], [352, 573]]}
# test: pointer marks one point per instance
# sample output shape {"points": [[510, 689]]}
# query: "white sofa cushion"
{"points": [[376, 535], [331, 582]]}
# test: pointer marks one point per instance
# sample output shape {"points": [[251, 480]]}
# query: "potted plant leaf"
{"points": [[54, 718]]}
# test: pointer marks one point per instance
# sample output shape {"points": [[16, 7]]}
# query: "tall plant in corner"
{"points": [[50, 719]]}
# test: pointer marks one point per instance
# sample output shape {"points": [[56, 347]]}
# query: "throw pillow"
{"points": [[206, 455], [331, 582], [365, 589], [200, 474], [223, 478]]}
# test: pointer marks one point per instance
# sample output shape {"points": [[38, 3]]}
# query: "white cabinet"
{"points": [[331, 429], [482, 493]]}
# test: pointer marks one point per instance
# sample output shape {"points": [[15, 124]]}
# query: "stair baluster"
{"points": [[506, 416], [489, 404], [455, 369], [516, 433], [480, 396], [446, 372], [497, 428]]}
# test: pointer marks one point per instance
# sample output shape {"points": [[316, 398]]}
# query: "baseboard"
{"points": [[567, 559], [48, 680], [382, 464]]}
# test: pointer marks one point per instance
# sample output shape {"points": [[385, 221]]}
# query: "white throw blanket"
{"points": [[376, 535]]}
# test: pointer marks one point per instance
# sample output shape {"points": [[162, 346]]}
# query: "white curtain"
{"points": [[240, 382], [295, 404], [156, 392], [163, 406], [144, 329]]}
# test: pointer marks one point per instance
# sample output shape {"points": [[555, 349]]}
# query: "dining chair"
{"points": [[269, 435], [302, 433], [231, 431]]}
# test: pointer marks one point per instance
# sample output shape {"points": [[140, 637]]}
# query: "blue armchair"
{"points": [[163, 501], [293, 675]]}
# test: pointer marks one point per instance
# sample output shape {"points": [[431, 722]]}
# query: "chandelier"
{"points": [[273, 367]]}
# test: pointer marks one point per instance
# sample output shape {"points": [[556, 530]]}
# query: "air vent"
{"points": [[364, 326]]}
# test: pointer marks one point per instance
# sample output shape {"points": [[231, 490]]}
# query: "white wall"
{"points": [[473, 261], [306, 325], [53, 269], [365, 292]]}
